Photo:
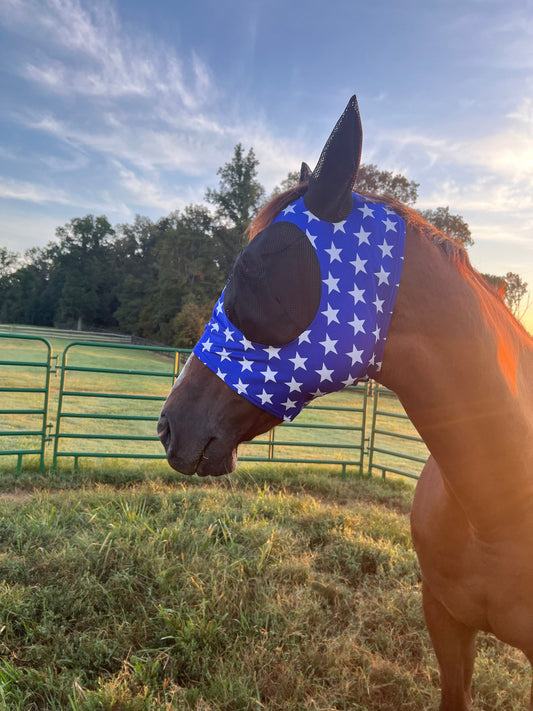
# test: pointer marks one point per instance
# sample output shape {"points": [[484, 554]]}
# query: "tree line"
{"points": [[159, 280]]}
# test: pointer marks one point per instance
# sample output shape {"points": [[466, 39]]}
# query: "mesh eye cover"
{"points": [[360, 262], [274, 291]]}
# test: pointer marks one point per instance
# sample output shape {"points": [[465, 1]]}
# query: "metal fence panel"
{"points": [[25, 364], [96, 414], [109, 400], [389, 427]]}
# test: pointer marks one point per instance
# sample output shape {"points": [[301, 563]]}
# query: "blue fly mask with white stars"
{"points": [[308, 305]]}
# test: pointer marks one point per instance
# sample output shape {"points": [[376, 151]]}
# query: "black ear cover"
{"points": [[329, 195], [274, 291]]}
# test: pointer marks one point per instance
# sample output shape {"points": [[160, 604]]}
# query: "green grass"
{"points": [[286, 589]]}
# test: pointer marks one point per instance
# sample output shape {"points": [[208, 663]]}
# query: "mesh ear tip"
{"points": [[329, 195]]}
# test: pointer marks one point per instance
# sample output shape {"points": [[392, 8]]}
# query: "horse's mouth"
{"points": [[214, 459]]}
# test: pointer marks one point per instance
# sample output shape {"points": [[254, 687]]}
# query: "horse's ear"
{"points": [[305, 173], [329, 195]]}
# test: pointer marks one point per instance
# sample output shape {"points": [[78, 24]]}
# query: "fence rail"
{"points": [[109, 396]]}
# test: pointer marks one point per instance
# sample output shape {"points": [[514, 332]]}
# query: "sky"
{"points": [[125, 107]]}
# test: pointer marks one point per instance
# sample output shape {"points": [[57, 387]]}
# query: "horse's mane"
{"points": [[452, 249]]}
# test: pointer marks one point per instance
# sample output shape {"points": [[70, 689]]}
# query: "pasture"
{"points": [[271, 589], [125, 586]]}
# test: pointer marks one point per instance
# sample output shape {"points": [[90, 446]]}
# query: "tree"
{"points": [[453, 226], [135, 255], [8, 261], [187, 270], [516, 294], [85, 267], [384, 182], [240, 193]]}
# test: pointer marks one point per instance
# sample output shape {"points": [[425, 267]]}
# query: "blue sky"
{"points": [[121, 107]]}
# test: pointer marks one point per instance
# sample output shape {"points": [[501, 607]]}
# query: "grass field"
{"points": [[281, 589]]}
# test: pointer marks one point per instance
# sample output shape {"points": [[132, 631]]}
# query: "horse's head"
{"points": [[305, 312]]}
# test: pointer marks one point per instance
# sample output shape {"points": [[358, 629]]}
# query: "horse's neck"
{"points": [[464, 371]]}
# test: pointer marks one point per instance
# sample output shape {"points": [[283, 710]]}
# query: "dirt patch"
{"points": [[19, 496]]}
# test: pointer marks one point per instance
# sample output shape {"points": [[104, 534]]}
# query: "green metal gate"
{"points": [[389, 426], [103, 385], [109, 400], [332, 433], [25, 364]]}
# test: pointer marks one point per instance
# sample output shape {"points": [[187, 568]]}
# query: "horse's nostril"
{"points": [[163, 431]]}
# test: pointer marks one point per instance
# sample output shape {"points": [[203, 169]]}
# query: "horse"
{"points": [[460, 363]]}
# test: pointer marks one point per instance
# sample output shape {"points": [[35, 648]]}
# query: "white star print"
{"points": [[357, 324], [389, 225], [241, 387], [359, 264], [298, 361], [318, 393], [310, 216], [311, 238], [329, 345], [288, 209], [325, 373], [294, 385], [246, 343], [269, 374], [207, 345], [338, 226], [221, 374], [331, 283], [358, 294], [385, 249], [334, 253], [349, 381], [224, 354], [272, 352], [376, 333], [378, 303], [219, 308], [363, 236], [228, 334], [265, 397], [331, 314], [288, 404], [246, 365], [304, 337], [355, 355], [383, 276], [215, 327], [367, 212]]}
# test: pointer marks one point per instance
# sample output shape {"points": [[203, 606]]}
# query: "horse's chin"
{"points": [[214, 460]]}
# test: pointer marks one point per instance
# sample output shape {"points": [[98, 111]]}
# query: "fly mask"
{"points": [[307, 307]]}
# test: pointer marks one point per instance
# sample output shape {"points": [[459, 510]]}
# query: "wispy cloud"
{"points": [[30, 192], [110, 62]]}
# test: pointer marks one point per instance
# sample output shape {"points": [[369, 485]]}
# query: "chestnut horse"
{"points": [[462, 367]]}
